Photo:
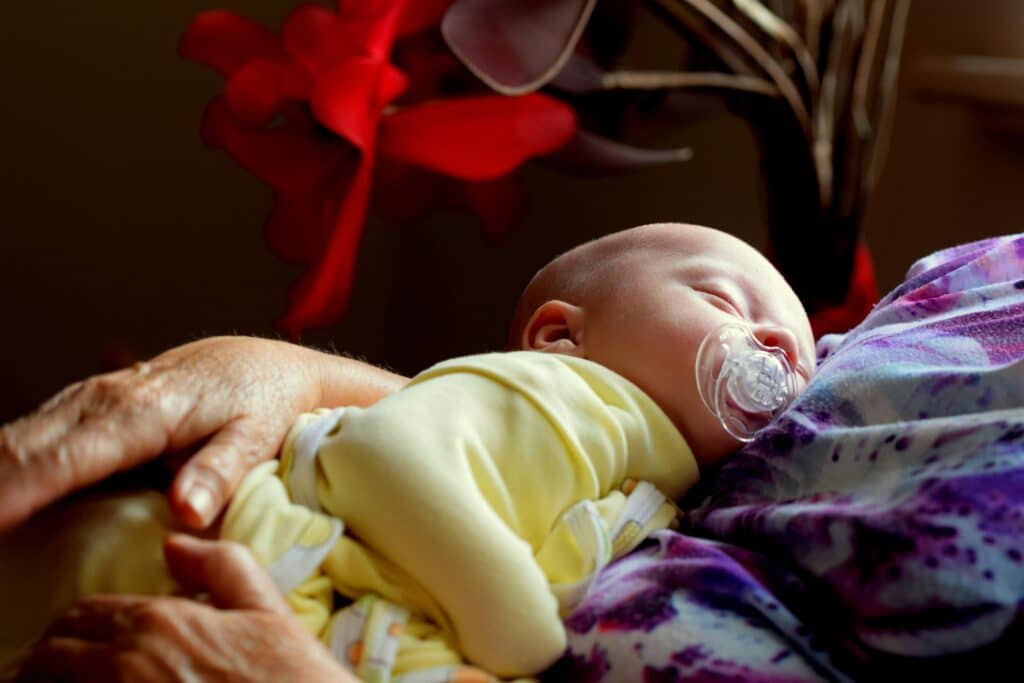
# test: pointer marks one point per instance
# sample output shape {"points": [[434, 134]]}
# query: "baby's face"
{"points": [[668, 296]]}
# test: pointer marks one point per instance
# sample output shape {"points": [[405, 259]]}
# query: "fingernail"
{"points": [[200, 501]]}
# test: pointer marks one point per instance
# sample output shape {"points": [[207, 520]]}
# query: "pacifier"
{"points": [[744, 383]]}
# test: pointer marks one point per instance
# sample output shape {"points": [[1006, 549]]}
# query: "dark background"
{"points": [[122, 235]]}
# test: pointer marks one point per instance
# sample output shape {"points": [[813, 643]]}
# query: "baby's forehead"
{"points": [[685, 253]]}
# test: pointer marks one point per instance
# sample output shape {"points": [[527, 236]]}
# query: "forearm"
{"points": [[236, 397], [346, 381]]}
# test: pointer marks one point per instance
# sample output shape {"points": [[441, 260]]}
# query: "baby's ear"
{"points": [[555, 327]]}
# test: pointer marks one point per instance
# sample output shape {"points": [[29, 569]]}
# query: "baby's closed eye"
{"points": [[723, 301]]}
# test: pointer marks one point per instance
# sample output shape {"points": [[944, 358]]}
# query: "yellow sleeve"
{"points": [[288, 539], [609, 428], [460, 478], [411, 479]]}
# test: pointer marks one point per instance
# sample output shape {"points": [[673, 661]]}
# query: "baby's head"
{"points": [[641, 301]]}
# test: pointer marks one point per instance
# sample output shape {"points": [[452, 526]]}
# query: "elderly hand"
{"points": [[249, 636], [236, 396]]}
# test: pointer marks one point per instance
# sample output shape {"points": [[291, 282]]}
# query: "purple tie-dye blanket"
{"points": [[876, 528]]}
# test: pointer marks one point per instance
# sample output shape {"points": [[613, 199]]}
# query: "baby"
{"points": [[641, 301], [479, 502]]}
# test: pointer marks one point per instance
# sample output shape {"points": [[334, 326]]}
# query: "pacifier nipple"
{"points": [[757, 383], [744, 383]]}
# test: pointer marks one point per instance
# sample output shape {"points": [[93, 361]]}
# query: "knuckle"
{"points": [[9, 449], [153, 615], [142, 396], [141, 368], [63, 396], [127, 392], [101, 384], [102, 392]]}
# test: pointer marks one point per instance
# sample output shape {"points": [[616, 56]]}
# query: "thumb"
{"points": [[224, 569], [208, 480]]}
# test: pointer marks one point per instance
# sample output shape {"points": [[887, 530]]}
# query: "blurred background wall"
{"points": [[122, 235]]}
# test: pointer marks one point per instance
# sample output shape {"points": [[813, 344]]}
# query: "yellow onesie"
{"points": [[462, 479], [477, 504]]}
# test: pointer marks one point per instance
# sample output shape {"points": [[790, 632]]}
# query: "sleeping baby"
{"points": [[462, 517]]}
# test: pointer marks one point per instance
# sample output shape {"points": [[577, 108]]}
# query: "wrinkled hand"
{"points": [[242, 394], [249, 636]]}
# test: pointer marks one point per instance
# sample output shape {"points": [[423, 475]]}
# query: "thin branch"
{"points": [[779, 77], [778, 29], [659, 80], [828, 103], [866, 67], [694, 22], [589, 153], [814, 14], [859, 124], [886, 96]]}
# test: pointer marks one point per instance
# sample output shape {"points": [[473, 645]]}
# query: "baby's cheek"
{"points": [[714, 444]]}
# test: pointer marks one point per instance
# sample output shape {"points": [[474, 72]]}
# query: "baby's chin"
{"points": [[804, 374], [719, 454], [709, 441]]}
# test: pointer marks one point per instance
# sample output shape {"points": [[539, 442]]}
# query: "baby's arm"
{"points": [[401, 476]]}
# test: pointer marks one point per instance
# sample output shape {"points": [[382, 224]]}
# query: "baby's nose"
{"points": [[780, 337]]}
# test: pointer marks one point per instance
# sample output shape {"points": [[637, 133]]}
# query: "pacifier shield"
{"points": [[744, 383]]}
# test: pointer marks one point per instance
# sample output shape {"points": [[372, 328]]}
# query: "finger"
{"points": [[25, 481], [90, 452], [228, 571], [96, 618], [48, 422], [67, 659], [209, 479], [102, 426]]}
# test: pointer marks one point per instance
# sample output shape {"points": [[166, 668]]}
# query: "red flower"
{"points": [[310, 110], [861, 297]]}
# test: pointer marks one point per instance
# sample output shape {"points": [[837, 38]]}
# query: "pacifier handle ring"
{"points": [[744, 383]]}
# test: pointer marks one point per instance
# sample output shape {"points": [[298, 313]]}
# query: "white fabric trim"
{"points": [[299, 561], [642, 504], [302, 478], [588, 531], [374, 624]]}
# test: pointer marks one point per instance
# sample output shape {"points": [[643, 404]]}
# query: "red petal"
{"points": [[322, 295], [227, 41], [319, 38], [404, 193], [418, 15], [304, 169], [477, 138], [290, 158], [372, 24], [299, 226], [256, 92], [860, 298], [431, 68], [310, 35], [392, 83], [346, 98]]}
